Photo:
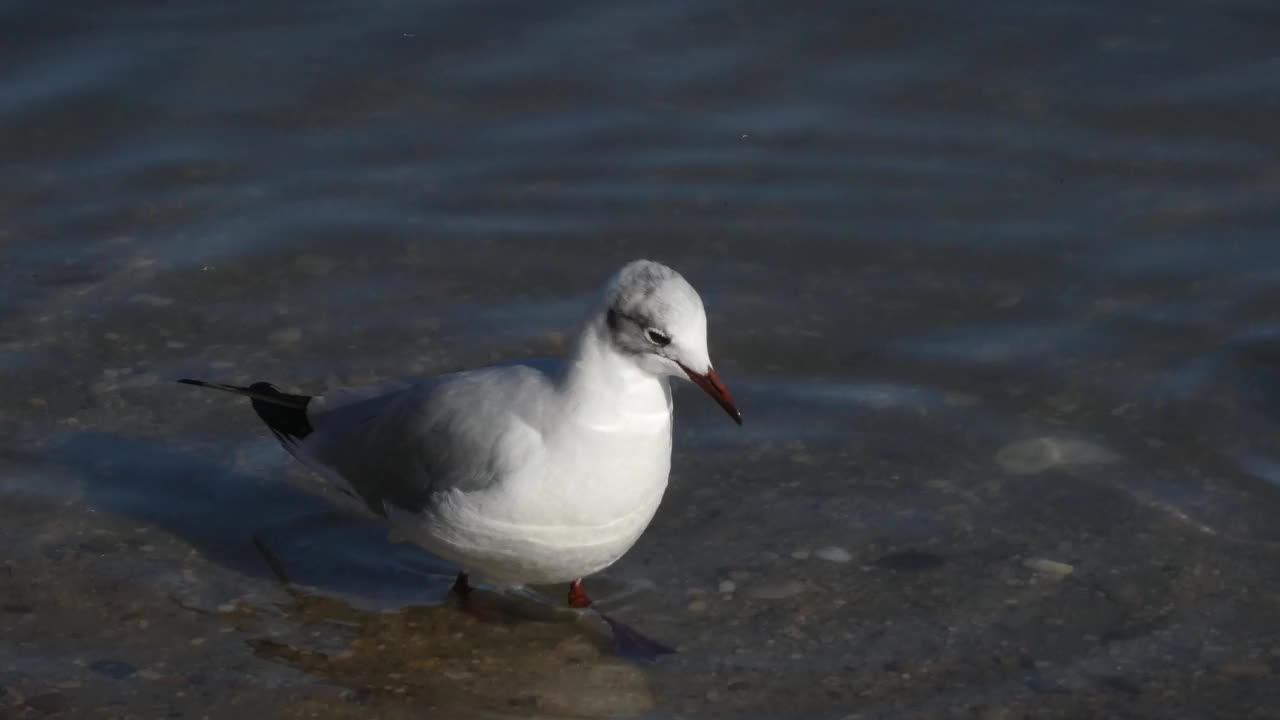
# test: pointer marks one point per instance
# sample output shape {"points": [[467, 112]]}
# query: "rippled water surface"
{"points": [[997, 286]]}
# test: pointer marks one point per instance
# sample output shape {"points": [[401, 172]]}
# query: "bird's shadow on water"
{"points": [[228, 515], [220, 511]]}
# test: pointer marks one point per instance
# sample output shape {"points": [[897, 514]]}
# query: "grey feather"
{"points": [[441, 425]]}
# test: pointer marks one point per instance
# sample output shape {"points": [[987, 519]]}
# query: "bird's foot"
{"points": [[461, 586], [577, 596], [479, 605], [627, 643]]}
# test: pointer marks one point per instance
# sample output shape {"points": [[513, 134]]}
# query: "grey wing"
{"points": [[399, 443], [362, 443]]}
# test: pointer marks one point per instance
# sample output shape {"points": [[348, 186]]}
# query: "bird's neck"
{"points": [[605, 388]]}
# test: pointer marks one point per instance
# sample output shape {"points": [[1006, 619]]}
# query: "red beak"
{"points": [[716, 389]]}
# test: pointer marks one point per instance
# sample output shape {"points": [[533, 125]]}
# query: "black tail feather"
{"points": [[284, 413]]}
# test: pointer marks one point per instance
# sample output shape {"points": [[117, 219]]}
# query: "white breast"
{"points": [[573, 514]]}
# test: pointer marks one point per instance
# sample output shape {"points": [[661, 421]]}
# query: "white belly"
{"points": [[528, 554], [575, 517]]}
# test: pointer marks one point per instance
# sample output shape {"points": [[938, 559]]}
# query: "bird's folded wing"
{"points": [[398, 443]]}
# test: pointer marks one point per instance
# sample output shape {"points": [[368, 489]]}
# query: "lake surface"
{"points": [[997, 286]]}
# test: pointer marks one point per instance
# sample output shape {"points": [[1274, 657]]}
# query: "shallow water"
{"points": [[997, 287]]}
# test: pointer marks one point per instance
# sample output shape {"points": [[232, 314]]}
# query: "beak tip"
{"points": [[710, 382]]}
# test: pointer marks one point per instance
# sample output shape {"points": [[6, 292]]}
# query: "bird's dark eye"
{"points": [[657, 338]]}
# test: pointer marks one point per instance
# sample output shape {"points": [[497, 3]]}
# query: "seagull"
{"points": [[536, 472]]}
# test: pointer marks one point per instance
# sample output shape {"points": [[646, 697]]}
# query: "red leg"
{"points": [[474, 604], [461, 587], [577, 596], [626, 642]]}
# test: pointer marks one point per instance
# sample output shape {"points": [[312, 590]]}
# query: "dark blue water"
{"points": [[995, 284]]}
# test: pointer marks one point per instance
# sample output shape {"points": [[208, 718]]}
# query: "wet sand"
{"points": [[998, 594], [994, 286]]}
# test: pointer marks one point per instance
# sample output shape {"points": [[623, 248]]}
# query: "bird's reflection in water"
{"points": [[500, 655]]}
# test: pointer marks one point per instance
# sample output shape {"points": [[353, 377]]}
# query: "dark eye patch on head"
{"points": [[615, 317], [653, 337]]}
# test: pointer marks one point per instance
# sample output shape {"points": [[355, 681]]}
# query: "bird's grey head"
{"points": [[654, 315]]}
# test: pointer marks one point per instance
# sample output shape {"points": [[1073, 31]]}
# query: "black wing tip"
{"points": [[284, 413], [214, 385], [288, 423]]}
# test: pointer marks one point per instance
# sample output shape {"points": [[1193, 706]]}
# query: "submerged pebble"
{"points": [[995, 712], [152, 300], [286, 336], [1029, 457], [777, 591], [115, 669], [48, 703], [833, 554], [1245, 669], [1051, 568], [315, 264], [910, 560]]}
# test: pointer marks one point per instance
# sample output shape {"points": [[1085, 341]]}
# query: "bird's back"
{"points": [[398, 443]]}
